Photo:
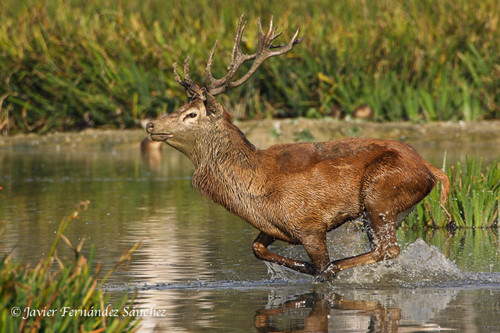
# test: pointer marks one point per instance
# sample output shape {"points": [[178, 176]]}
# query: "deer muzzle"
{"points": [[155, 133]]}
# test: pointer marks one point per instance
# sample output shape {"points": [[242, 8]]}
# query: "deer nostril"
{"points": [[150, 127]]}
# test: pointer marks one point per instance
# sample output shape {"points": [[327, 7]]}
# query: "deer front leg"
{"points": [[261, 252]]}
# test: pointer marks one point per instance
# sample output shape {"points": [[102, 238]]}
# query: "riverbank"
{"points": [[458, 139]]}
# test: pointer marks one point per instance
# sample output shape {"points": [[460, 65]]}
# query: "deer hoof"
{"points": [[328, 273], [307, 268]]}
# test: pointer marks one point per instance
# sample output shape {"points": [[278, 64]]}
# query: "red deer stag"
{"points": [[295, 192]]}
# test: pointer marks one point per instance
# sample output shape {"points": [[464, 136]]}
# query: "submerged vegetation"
{"points": [[474, 199], [67, 298], [69, 64]]}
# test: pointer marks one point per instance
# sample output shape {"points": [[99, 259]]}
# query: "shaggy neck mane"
{"points": [[226, 165]]}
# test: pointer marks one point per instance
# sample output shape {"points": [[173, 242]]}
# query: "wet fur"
{"points": [[298, 192]]}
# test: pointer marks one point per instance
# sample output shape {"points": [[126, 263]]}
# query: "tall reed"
{"points": [[70, 64], [54, 288], [474, 199]]}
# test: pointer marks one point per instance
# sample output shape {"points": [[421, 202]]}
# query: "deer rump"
{"points": [[295, 192], [322, 185]]}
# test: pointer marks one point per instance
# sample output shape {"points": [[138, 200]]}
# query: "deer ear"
{"points": [[212, 106]]}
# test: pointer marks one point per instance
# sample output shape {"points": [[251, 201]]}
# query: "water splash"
{"points": [[417, 265], [280, 273]]}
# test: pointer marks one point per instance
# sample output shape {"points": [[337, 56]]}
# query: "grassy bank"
{"points": [[62, 299], [67, 64], [474, 200]]}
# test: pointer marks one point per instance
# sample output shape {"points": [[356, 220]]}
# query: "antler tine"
{"points": [[237, 39], [271, 33], [177, 76], [284, 48], [270, 36], [192, 89], [208, 69], [271, 26], [185, 70], [296, 41], [261, 33], [185, 81]]}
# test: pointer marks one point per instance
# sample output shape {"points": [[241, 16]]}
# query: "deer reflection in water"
{"points": [[151, 152], [352, 315]]}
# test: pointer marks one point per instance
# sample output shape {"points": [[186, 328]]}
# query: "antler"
{"points": [[264, 51], [192, 89]]}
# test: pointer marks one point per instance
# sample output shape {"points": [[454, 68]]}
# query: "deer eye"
{"points": [[190, 115]]}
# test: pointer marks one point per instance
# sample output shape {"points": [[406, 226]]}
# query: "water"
{"points": [[194, 269]]}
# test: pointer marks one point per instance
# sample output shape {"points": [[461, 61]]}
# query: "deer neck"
{"points": [[227, 168]]}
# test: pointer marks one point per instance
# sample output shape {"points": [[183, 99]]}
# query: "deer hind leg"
{"points": [[261, 252], [382, 236]]}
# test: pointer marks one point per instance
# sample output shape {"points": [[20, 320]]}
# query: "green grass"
{"points": [[108, 63], [472, 250], [474, 199], [58, 288]]}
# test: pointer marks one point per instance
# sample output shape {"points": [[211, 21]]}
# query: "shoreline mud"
{"points": [[481, 138]]}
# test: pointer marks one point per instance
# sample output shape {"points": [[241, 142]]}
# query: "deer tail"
{"points": [[445, 182]]}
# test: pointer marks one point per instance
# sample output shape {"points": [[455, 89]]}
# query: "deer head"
{"points": [[190, 126]]}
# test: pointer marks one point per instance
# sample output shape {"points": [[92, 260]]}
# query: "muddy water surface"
{"points": [[194, 269]]}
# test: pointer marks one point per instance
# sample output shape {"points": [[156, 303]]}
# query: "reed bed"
{"points": [[60, 296], [72, 64], [474, 199]]}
